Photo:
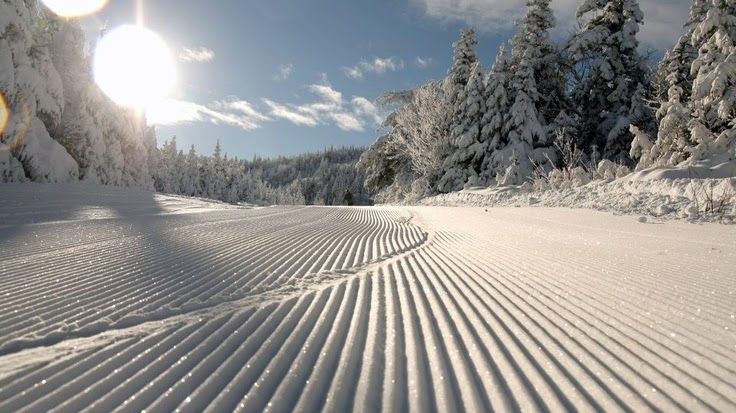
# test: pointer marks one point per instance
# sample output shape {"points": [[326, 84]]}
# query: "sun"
{"points": [[76, 8], [134, 67]]}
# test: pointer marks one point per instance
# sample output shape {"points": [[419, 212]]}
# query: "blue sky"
{"points": [[280, 77]]}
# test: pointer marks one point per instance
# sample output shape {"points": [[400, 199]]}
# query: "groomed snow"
{"points": [[197, 306]]}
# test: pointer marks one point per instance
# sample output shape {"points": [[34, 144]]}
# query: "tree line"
{"points": [[594, 92], [321, 178]]}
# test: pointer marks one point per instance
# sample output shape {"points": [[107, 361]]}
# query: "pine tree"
{"points": [[674, 69], [673, 142], [611, 71], [464, 59], [168, 174], [467, 151], [493, 130], [533, 42], [191, 180], [713, 99], [525, 132]]}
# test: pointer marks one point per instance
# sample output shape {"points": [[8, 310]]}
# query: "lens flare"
{"points": [[134, 67], [74, 8], [4, 114]]}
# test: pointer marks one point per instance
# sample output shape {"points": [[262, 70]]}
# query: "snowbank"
{"points": [[702, 192]]}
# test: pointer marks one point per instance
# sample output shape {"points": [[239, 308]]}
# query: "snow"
{"points": [[660, 193], [123, 300]]}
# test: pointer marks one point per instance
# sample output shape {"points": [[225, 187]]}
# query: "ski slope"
{"points": [[192, 306]]}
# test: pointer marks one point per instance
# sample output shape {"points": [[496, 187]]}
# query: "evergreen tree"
{"points": [[464, 59], [466, 149], [532, 41], [493, 130], [611, 70], [713, 99], [525, 132], [191, 181], [674, 69], [168, 175], [672, 144]]}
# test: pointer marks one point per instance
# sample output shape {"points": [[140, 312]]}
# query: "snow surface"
{"points": [[122, 300], [661, 193]]}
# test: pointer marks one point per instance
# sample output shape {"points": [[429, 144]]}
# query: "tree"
{"points": [[495, 119], [33, 91], [610, 70], [466, 148], [170, 171], [713, 99], [527, 140], [674, 69], [673, 138], [349, 199], [464, 59], [532, 41]]}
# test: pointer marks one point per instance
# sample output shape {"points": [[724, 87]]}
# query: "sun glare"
{"points": [[134, 67], [74, 8]]}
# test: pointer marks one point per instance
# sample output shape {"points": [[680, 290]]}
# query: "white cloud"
{"points": [[284, 72], [327, 93], [378, 66], [292, 115], [196, 54], [347, 121], [329, 108], [233, 112], [422, 62], [353, 72], [364, 107], [663, 19]]}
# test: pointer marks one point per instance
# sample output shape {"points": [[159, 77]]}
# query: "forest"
{"points": [[544, 105], [590, 104]]}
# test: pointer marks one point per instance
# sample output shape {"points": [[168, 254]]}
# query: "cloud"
{"points": [[663, 19], [327, 93], [347, 122], [378, 66], [364, 107], [233, 112], [284, 72], [292, 115], [422, 62], [329, 108], [326, 108], [196, 54]]}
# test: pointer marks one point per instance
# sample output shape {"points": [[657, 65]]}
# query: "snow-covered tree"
{"points": [[418, 135], [61, 126], [467, 151], [33, 92], [170, 173], [605, 54], [526, 138], [493, 130], [190, 177], [463, 61], [673, 143], [214, 186], [713, 98], [674, 69], [532, 41]]}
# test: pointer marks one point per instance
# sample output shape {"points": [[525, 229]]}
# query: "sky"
{"points": [[282, 77]]}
